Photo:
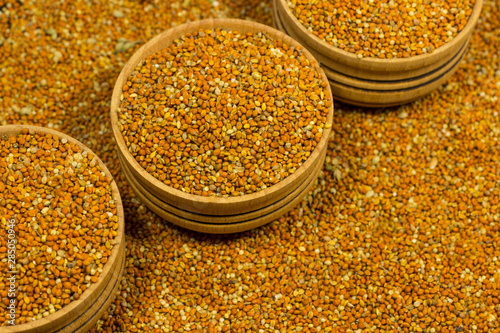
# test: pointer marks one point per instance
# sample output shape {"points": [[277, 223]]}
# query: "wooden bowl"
{"points": [[264, 214], [377, 82], [80, 315], [218, 206]]}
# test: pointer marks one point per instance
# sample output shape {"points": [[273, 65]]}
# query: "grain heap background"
{"points": [[401, 230]]}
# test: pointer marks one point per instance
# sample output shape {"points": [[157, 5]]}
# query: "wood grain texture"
{"points": [[372, 68], [81, 314], [398, 85], [368, 98], [359, 96], [221, 219], [228, 228], [212, 205]]}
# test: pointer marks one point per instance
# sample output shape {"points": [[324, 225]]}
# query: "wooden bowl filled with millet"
{"points": [[62, 244], [222, 121], [380, 54]]}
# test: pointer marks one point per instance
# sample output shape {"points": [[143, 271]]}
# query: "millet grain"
{"points": [[339, 261]]}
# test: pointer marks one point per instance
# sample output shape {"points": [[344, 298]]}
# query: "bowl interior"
{"points": [[163, 40]]}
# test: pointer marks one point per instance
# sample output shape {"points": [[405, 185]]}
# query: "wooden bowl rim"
{"points": [[365, 86], [239, 218], [235, 24], [390, 98], [219, 228], [195, 226], [69, 310], [384, 64], [375, 77]]}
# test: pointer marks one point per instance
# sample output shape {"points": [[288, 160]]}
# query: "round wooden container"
{"points": [[374, 82], [80, 315], [215, 206]]}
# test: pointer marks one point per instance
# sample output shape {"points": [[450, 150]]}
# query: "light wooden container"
{"points": [[80, 315], [373, 82], [213, 210]]}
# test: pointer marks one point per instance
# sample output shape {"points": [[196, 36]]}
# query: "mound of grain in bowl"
{"points": [[384, 29], [58, 224], [218, 113]]}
